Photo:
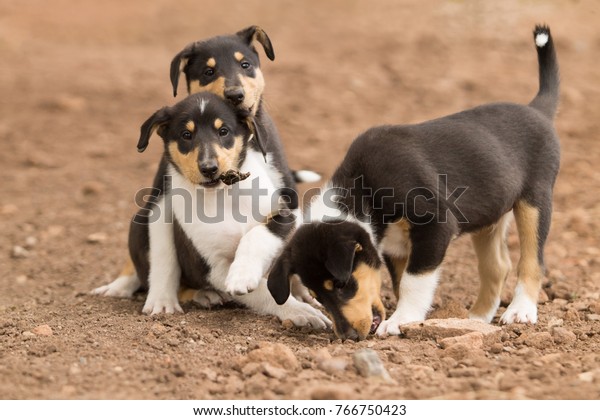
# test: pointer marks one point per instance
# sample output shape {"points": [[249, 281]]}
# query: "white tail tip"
{"points": [[541, 39], [307, 176]]}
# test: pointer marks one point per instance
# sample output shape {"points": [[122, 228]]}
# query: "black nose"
{"points": [[235, 95], [350, 334], [209, 168]]}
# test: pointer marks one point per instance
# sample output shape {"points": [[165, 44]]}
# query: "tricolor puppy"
{"points": [[402, 193], [228, 66], [197, 230]]}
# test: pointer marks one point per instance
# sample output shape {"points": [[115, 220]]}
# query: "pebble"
{"points": [[496, 348], [287, 324], [93, 188], [539, 340], [19, 252], [473, 340], [554, 322], [333, 365], [42, 330], [593, 317], [572, 315], [277, 354], [97, 237], [460, 351], [30, 242], [563, 336], [22, 279], [589, 376], [273, 372], [369, 365], [249, 369]]}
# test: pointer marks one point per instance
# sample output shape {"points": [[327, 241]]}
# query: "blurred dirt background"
{"points": [[79, 77]]}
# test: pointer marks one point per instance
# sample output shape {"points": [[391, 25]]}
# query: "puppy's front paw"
{"points": [[122, 287], [242, 278], [161, 304], [524, 312], [388, 327], [300, 292], [302, 314]]}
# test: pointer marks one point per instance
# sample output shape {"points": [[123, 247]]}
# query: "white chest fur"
{"points": [[215, 219]]}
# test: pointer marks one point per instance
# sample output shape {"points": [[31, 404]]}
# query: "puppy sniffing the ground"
{"points": [[215, 205], [402, 193]]}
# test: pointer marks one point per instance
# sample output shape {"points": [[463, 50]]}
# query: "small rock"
{"points": [[273, 372], [589, 376], [496, 348], [158, 329], [333, 392], [277, 354], [74, 369], [28, 334], [595, 308], [563, 336], [22, 279], [19, 252], [452, 327], [540, 340], [464, 372], [30, 242], [555, 322], [572, 315], [42, 330], [473, 340], [561, 303], [333, 365], [369, 365], [250, 369], [460, 351], [593, 317], [97, 237]]}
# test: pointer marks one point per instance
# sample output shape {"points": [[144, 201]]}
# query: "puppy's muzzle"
{"points": [[235, 95]]}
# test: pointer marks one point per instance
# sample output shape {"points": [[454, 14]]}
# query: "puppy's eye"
{"points": [[209, 71], [223, 131], [245, 65], [186, 135]]}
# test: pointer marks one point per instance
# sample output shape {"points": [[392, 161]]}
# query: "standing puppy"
{"points": [[402, 193]]}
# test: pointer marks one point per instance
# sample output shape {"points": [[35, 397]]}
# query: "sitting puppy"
{"points": [[228, 66], [215, 205], [402, 193]]}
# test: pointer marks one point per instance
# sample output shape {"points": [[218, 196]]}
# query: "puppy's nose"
{"points": [[235, 95], [209, 168], [350, 334]]}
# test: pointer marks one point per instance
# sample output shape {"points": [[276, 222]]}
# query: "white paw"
{"points": [[161, 304], [522, 311], [122, 287], [302, 314], [392, 325], [206, 298], [242, 278], [388, 327]]}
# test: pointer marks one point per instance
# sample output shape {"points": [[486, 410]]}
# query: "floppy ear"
{"points": [[155, 122], [279, 278], [340, 260], [254, 33], [178, 64]]}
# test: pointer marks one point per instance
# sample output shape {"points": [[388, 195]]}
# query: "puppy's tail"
{"points": [[546, 99]]}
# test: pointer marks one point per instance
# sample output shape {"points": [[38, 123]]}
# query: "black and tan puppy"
{"points": [[212, 218], [229, 67], [402, 193]]}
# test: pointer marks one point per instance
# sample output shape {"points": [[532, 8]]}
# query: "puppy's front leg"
{"points": [[256, 252], [163, 280]]}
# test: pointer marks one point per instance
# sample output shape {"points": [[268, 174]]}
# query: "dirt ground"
{"points": [[79, 77]]}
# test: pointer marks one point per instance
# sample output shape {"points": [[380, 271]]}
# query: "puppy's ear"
{"points": [[279, 278], [155, 122], [340, 260], [254, 33], [178, 64]]}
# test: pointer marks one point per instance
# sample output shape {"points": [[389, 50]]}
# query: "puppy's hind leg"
{"points": [[494, 267], [533, 224], [123, 286]]}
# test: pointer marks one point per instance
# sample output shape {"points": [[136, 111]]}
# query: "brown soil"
{"points": [[77, 80]]}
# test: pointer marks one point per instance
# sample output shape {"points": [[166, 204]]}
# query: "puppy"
{"points": [[402, 193], [195, 226], [228, 66]]}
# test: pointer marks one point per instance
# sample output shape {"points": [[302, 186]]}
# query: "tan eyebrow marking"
{"points": [[218, 123], [238, 56], [190, 125], [211, 62]]}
